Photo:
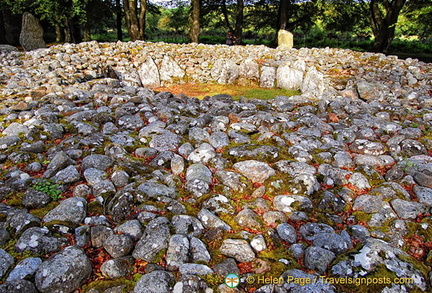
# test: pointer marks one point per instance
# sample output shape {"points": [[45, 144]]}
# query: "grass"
{"points": [[236, 91]]}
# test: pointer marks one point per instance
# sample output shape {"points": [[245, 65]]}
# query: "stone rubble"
{"points": [[168, 193]]}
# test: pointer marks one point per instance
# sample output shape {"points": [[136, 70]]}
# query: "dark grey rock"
{"points": [[423, 194], [82, 236], [68, 175], [19, 221], [155, 282], [39, 241], [19, 286], [101, 162], [98, 235], [6, 261], [71, 211], [118, 267], [198, 251], [154, 190], [34, 199], [287, 233], [118, 245], [408, 209], [318, 259], [31, 36], [65, 271], [165, 141], [187, 225], [310, 230], [177, 253], [60, 161], [155, 238], [331, 241], [131, 228]]}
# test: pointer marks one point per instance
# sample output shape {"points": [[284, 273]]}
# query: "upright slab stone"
{"points": [[285, 39], [149, 73], [31, 36]]}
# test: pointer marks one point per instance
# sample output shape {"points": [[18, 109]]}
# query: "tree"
{"points": [[195, 20], [135, 13], [383, 16]]}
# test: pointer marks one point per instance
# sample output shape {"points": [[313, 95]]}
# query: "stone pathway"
{"points": [[106, 180]]}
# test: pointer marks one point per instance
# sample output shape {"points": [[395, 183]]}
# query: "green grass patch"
{"points": [[201, 90]]}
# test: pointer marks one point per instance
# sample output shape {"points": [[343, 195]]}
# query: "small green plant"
{"points": [[49, 188]]}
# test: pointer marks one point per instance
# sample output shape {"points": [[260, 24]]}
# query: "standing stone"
{"points": [[285, 39], [290, 76], [31, 36], [149, 73]]}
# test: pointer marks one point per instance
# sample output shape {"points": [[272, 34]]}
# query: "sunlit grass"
{"points": [[236, 91]]}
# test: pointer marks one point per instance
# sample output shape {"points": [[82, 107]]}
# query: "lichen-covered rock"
{"points": [[154, 282], [65, 271], [238, 249], [70, 211]]}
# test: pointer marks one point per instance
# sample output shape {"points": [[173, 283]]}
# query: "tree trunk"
{"points": [[225, 14], [283, 14], [239, 21], [135, 20], [59, 33], [2, 29], [86, 32], [119, 20], [384, 25], [195, 21]]}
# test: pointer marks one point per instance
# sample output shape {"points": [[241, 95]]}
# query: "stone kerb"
{"points": [[159, 64]]}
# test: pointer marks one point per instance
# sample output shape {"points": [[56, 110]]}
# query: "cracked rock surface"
{"points": [[108, 186]]}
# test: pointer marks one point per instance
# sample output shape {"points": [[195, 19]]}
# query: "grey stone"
{"points": [[238, 249], [291, 203], [311, 287], [65, 271], [60, 161], [40, 241], [187, 225], [96, 161], [227, 266], [407, 209], [131, 228], [155, 238], [99, 234], [149, 73], [225, 71], [118, 245], [198, 251], [423, 194], [118, 267], [68, 175], [210, 220], [248, 218], [290, 76], [34, 199], [14, 129], [31, 36], [331, 241], [258, 243], [368, 203], [287, 233], [318, 259], [19, 221], [6, 262], [155, 282], [254, 170], [170, 71], [310, 230], [177, 253], [19, 286], [154, 190], [195, 269], [24, 269], [165, 141], [71, 211]]}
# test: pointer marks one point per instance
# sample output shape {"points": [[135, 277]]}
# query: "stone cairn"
{"points": [[109, 186]]}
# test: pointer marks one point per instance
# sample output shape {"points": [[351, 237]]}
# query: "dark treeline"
{"points": [[375, 23]]}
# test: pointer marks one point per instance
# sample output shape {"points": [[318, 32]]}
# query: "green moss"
{"points": [[95, 207], [14, 199], [362, 216], [213, 280], [102, 285], [41, 212]]}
